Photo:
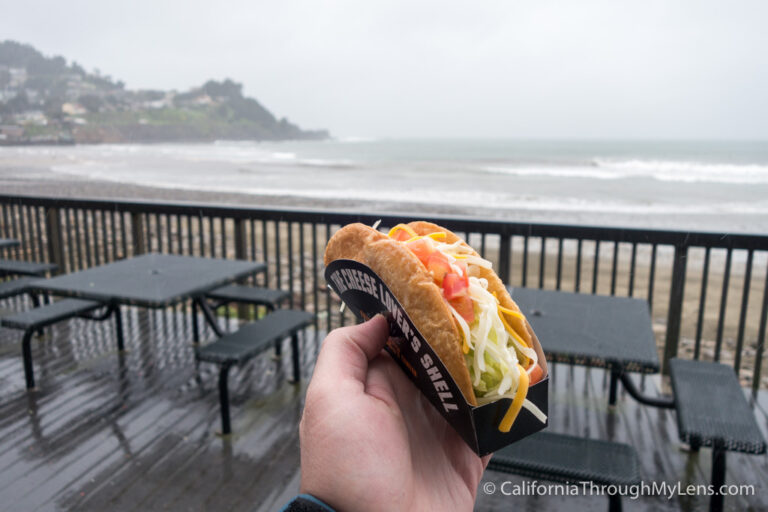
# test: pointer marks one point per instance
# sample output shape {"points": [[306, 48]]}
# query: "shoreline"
{"points": [[45, 172], [35, 181]]}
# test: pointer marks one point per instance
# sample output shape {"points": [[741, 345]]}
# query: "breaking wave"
{"points": [[661, 170]]}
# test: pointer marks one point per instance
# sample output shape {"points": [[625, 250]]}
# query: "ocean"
{"points": [[697, 185]]}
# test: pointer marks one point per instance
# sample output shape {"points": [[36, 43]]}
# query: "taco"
{"points": [[458, 303]]}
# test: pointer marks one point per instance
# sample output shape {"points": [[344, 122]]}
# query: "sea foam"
{"points": [[661, 170]]}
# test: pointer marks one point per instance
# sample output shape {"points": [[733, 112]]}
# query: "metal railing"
{"points": [[708, 292]]}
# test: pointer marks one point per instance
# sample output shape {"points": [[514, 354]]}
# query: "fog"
{"points": [[591, 69]]}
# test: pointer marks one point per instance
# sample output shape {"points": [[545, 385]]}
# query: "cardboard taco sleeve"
{"points": [[366, 295]]}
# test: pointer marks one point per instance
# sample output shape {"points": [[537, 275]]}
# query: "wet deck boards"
{"points": [[136, 431]]}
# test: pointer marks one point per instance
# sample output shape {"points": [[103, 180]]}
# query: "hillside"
{"points": [[46, 100]]}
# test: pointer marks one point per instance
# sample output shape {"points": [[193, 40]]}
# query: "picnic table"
{"points": [[151, 281], [616, 333], [598, 331]]}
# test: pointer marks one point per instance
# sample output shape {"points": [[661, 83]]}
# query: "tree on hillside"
{"points": [[17, 104], [52, 108], [225, 89], [17, 55], [91, 102]]}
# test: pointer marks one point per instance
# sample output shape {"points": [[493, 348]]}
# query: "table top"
{"points": [[8, 242], [591, 330], [150, 280]]}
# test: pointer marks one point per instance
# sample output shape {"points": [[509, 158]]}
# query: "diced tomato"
{"points": [[422, 248], [401, 235], [464, 306], [464, 272], [439, 266], [535, 375], [454, 286]]}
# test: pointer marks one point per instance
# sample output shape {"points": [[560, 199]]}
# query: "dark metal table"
{"points": [[595, 330], [6, 243], [152, 281]]}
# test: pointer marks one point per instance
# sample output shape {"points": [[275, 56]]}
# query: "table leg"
{"points": [[296, 357], [226, 427], [718, 478], [195, 326], [614, 503], [36, 303], [613, 388], [210, 317], [26, 350], [118, 326]]}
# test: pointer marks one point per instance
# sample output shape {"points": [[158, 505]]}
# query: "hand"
{"points": [[371, 441]]}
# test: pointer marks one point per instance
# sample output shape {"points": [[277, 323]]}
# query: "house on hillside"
{"points": [[33, 117], [18, 76], [73, 109]]}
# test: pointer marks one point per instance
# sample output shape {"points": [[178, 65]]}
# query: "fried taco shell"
{"points": [[414, 288]]}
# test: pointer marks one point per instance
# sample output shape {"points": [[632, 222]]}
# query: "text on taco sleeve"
{"points": [[352, 279]]}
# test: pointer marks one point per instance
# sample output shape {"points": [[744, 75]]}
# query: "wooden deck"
{"points": [[136, 431]]}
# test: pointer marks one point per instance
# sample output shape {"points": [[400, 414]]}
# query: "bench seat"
{"points": [[711, 407], [50, 313], [27, 268], [253, 338], [255, 295], [249, 295], [249, 341], [15, 286], [568, 459], [43, 316]]}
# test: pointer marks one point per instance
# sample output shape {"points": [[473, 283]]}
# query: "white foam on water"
{"points": [[278, 155], [555, 171], [313, 171], [465, 198], [353, 139], [661, 170]]}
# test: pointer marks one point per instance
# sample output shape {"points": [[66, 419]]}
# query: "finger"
{"points": [[378, 382], [345, 352], [486, 459]]}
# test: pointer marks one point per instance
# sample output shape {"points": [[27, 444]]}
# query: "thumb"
{"points": [[346, 351]]}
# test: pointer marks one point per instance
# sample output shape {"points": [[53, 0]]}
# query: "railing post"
{"points": [[240, 254], [55, 241], [137, 230], [674, 314], [504, 248]]}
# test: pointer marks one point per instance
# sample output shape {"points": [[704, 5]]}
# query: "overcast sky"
{"points": [[584, 69]]}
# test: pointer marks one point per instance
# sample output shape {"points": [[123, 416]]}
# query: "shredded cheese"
{"points": [[517, 402], [512, 312], [434, 236]]}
